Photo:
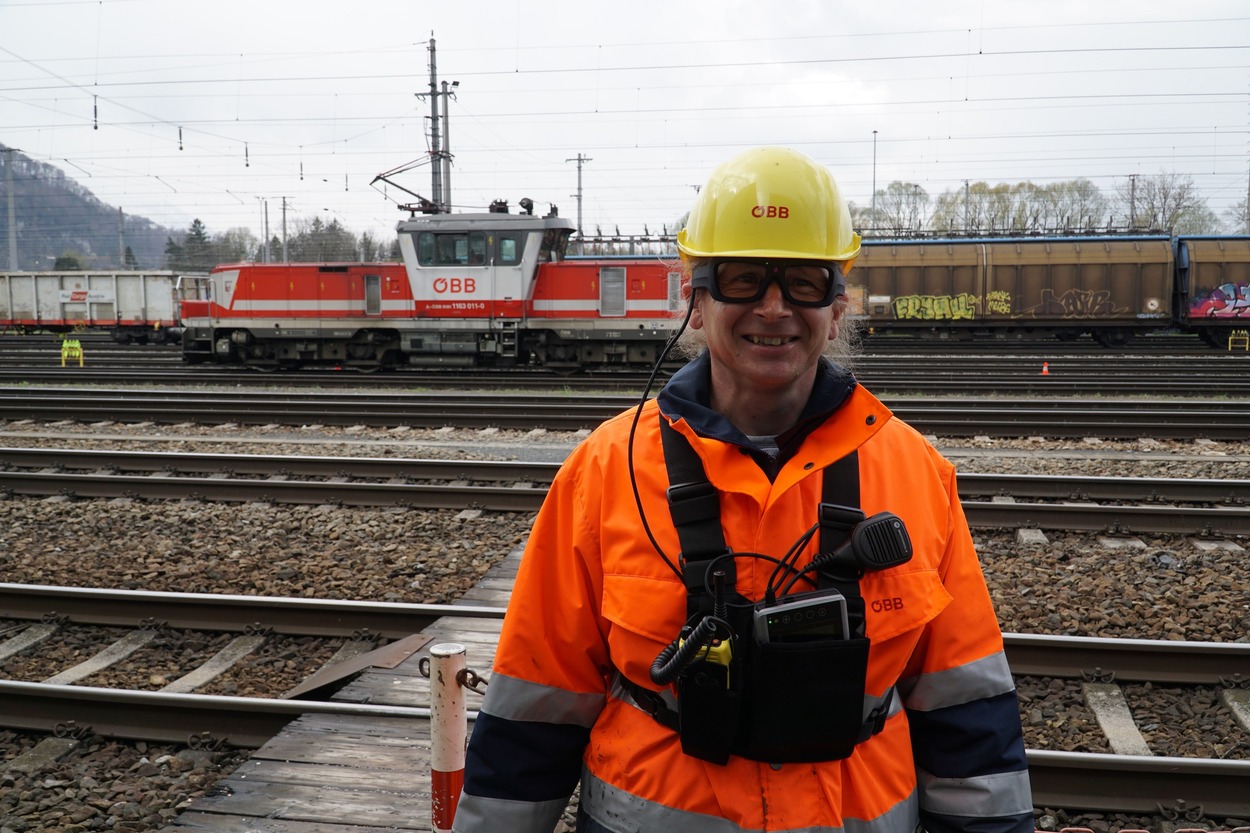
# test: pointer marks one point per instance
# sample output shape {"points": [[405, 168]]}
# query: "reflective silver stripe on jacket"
{"points": [[978, 680], [1000, 794], [516, 699], [475, 814], [608, 805]]}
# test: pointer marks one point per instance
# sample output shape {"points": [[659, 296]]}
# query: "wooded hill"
{"points": [[57, 217]]}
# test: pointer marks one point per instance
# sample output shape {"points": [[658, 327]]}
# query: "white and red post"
{"points": [[448, 732]]}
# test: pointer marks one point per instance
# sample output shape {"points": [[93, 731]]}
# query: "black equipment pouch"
{"points": [[805, 700], [778, 701], [710, 695]]}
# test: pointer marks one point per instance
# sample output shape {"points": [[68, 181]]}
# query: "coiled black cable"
{"points": [[684, 650]]}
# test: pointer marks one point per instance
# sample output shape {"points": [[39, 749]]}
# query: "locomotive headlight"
{"points": [[1153, 305]]}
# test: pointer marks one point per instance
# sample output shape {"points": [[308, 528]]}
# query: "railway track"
{"points": [[1216, 419], [1178, 366], [1130, 781], [176, 711], [1180, 506]]}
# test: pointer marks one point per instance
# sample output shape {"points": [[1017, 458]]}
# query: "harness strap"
{"points": [[694, 505]]}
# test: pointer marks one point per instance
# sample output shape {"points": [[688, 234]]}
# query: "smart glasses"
{"points": [[803, 283]]}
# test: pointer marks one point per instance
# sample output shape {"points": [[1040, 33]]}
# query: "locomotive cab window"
{"points": [[452, 249], [508, 250], [555, 243]]}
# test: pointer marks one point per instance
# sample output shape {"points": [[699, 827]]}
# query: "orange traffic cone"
{"points": [[1045, 368]]}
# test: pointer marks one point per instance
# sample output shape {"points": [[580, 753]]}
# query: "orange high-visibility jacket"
{"points": [[594, 600]]}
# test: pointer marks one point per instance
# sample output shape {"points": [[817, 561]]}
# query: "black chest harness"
{"points": [[780, 680]]}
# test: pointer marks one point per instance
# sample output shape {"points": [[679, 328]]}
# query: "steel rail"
{"points": [[225, 612], [161, 716], [1137, 783], [1137, 660], [946, 419], [266, 465], [1193, 382], [1176, 520], [612, 403], [1182, 520], [224, 489], [1127, 660], [972, 484]]}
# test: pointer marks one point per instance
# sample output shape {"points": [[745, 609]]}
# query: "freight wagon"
{"points": [[133, 306], [1110, 287]]}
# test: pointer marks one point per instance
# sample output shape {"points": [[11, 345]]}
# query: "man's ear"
{"points": [[696, 315]]}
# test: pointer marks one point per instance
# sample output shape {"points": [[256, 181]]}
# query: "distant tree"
{"points": [[1167, 202], [68, 262], [198, 254], [195, 253], [1077, 205], [966, 209], [129, 260], [901, 207], [173, 255], [234, 245], [1236, 220], [318, 242], [372, 249]]}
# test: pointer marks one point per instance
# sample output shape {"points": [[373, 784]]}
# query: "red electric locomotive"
{"points": [[474, 289]]}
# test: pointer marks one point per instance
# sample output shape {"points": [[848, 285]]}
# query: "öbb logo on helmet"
{"points": [[780, 212]]}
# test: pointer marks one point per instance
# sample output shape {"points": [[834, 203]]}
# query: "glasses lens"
{"points": [[807, 283], [741, 281], [738, 281]]}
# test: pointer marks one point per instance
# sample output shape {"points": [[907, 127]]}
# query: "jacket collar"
{"points": [[688, 395]]}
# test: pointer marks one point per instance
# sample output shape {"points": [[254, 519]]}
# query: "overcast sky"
{"points": [[176, 110]]}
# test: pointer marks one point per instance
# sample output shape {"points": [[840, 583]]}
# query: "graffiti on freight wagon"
{"points": [[1229, 300], [1075, 303], [962, 307], [1072, 304]]}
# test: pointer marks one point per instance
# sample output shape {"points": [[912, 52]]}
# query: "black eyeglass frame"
{"points": [[703, 276]]}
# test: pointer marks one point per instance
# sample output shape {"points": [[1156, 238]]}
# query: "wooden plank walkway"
{"points": [[347, 774]]}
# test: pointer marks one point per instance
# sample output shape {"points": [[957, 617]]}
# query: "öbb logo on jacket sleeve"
{"points": [[780, 212]]}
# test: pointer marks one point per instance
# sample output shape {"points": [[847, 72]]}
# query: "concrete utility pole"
{"points": [[121, 238], [1132, 201], [440, 157], [8, 187], [874, 179], [580, 160]]}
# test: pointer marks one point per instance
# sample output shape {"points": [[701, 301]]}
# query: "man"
{"points": [[646, 651]]}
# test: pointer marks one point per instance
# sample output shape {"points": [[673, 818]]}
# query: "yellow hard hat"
{"points": [[770, 202]]}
